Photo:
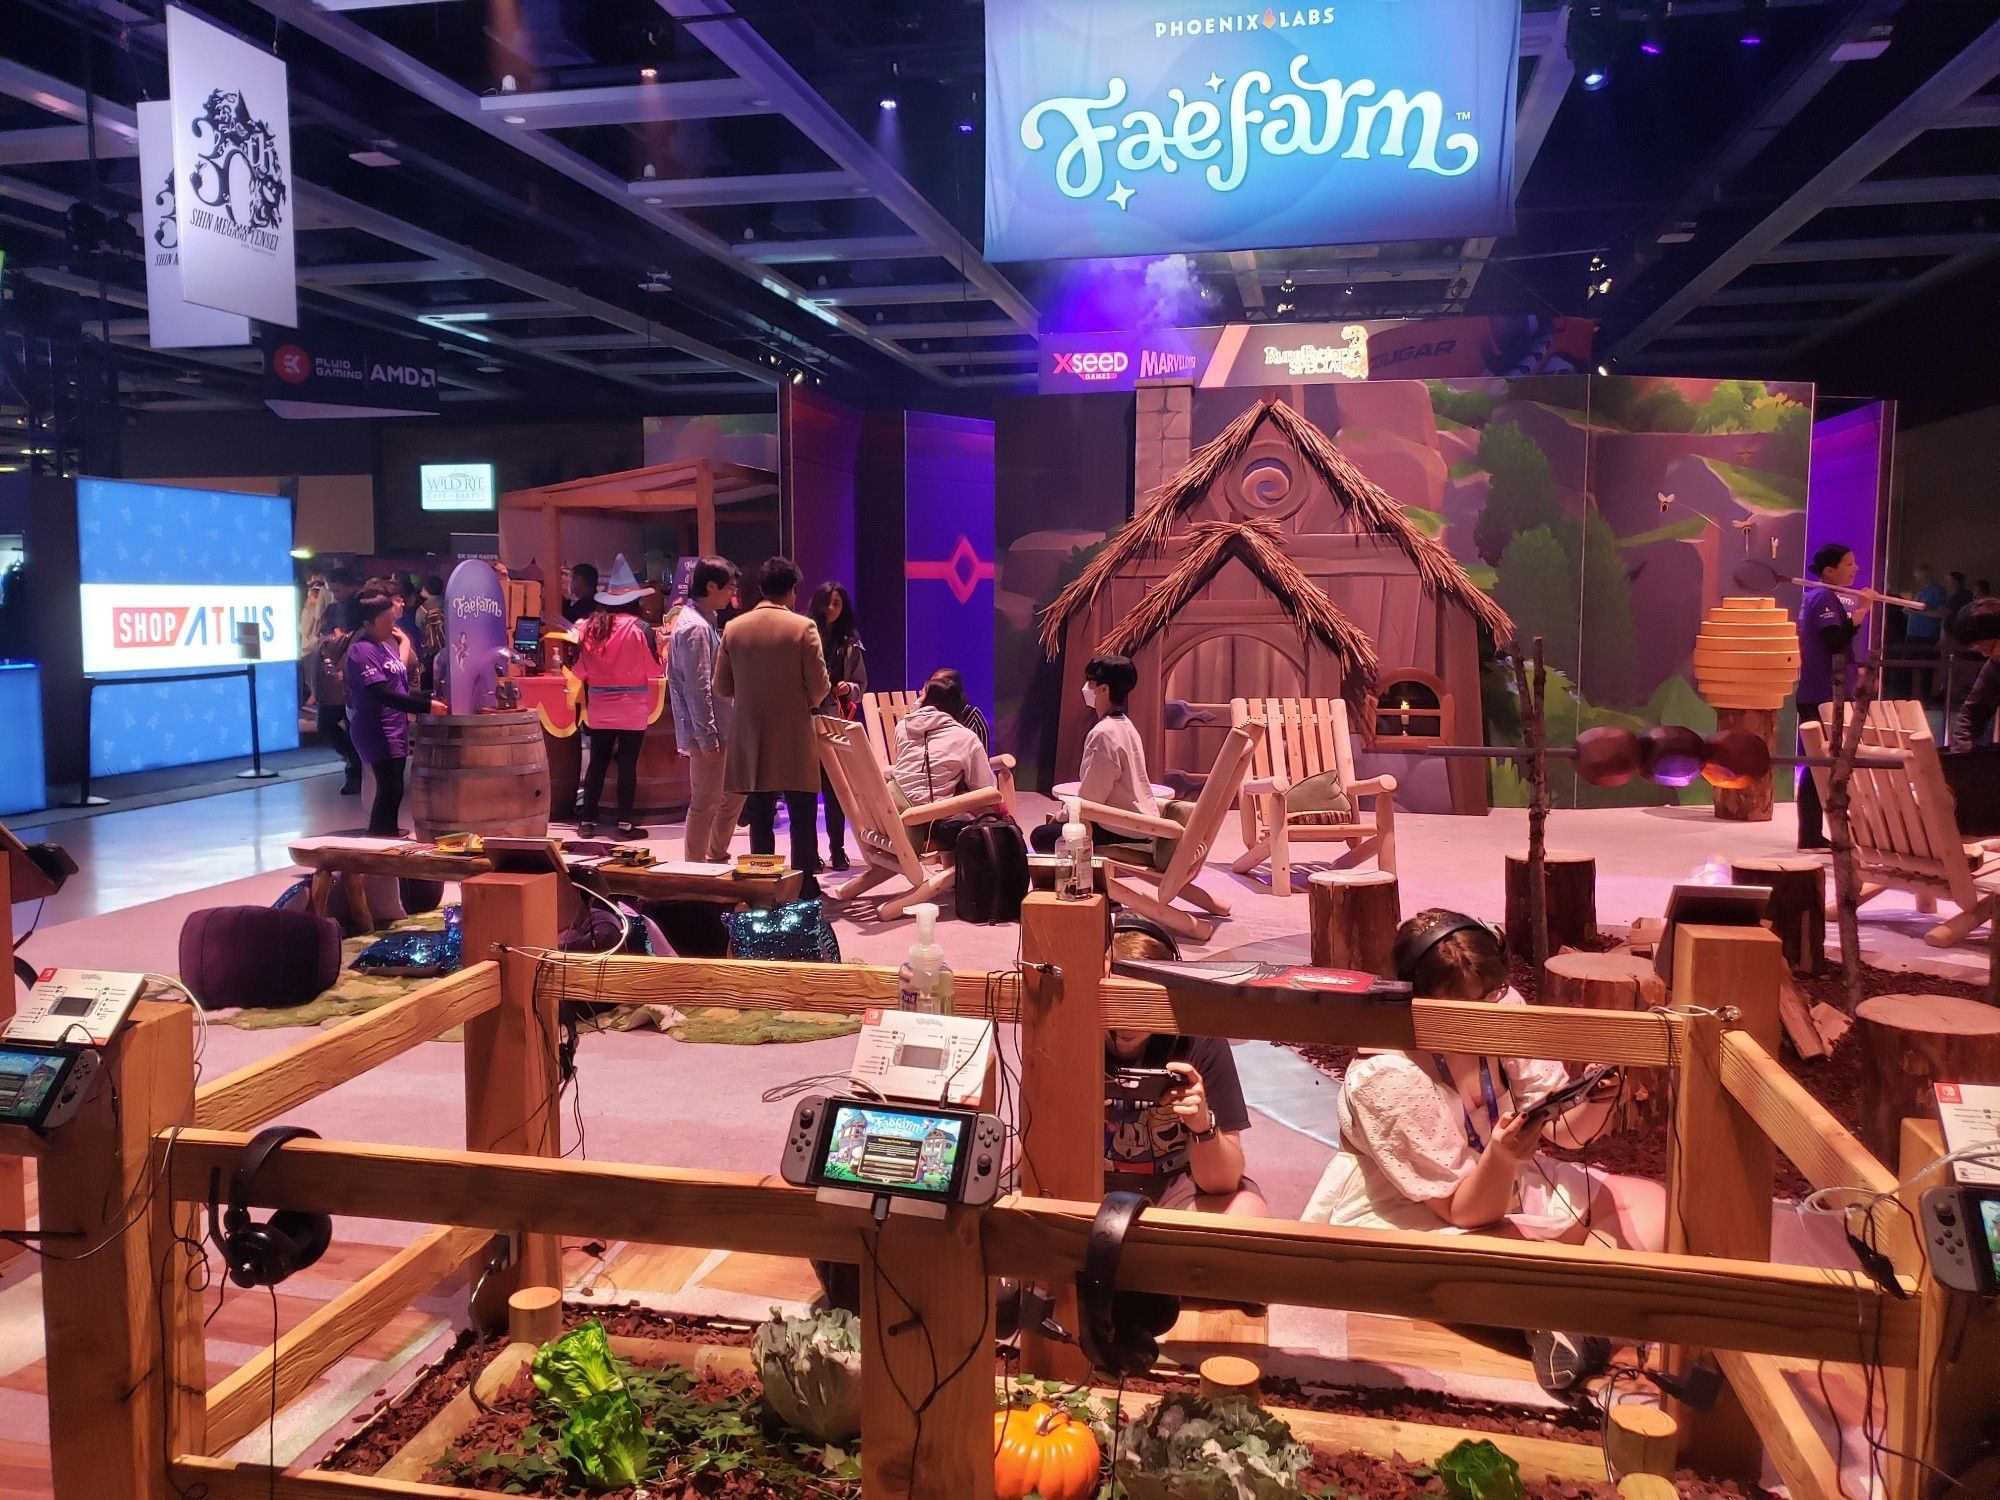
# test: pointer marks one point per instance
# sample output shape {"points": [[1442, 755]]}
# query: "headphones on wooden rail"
{"points": [[269, 1253], [1119, 1332]]}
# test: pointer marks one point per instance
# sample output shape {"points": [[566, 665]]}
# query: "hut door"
{"points": [[1207, 675]]}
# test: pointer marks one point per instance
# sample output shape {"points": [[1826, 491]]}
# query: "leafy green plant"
{"points": [[1477, 1470], [604, 1436], [811, 1371], [1188, 1448], [577, 1366]]}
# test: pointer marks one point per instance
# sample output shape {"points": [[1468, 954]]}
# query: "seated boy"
{"points": [[1113, 769]]}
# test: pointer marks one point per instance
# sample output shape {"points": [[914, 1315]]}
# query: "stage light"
{"points": [[302, 554], [514, 119], [798, 377], [1592, 41], [965, 127], [649, 75], [1604, 370], [1654, 42], [887, 101], [1750, 33]]}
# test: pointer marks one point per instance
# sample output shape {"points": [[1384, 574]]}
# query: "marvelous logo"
{"points": [[1253, 121], [239, 179]]}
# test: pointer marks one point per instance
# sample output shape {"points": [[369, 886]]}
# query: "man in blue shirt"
{"points": [[1922, 631], [701, 719], [1829, 627]]}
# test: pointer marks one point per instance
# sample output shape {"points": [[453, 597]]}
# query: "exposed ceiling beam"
{"points": [[1976, 114], [84, 286], [384, 273], [1895, 296], [1751, 328], [61, 143], [655, 366], [493, 312], [1534, 115], [580, 341], [1800, 291], [1025, 378], [847, 247], [1921, 190], [33, 193], [972, 328], [1360, 271], [628, 104], [745, 52], [1944, 91], [759, 187], [912, 295], [985, 357], [1882, 247]]}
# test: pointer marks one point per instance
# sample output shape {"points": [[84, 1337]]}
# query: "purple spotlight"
{"points": [[965, 127], [887, 101], [1652, 47], [1750, 37]]}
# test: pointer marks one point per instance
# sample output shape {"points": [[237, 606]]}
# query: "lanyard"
{"points": [[1485, 1087]]}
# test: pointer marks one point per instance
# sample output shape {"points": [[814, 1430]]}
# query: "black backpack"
{"points": [[992, 861]]}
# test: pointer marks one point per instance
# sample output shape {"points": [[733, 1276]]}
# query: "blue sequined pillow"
{"points": [[796, 932], [414, 953]]}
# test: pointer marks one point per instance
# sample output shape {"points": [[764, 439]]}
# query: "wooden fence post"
{"points": [[1062, 1082], [1939, 1412], [109, 1410], [512, 1092], [926, 1361], [1721, 1167]]}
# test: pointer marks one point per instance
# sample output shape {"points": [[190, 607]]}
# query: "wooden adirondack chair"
{"points": [[1308, 737], [1905, 825], [883, 833], [882, 712], [1191, 843]]}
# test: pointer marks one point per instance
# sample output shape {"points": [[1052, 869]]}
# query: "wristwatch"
{"points": [[1200, 1137]]}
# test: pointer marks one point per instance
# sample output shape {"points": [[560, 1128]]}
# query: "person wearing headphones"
{"points": [[1186, 1151], [1440, 1141]]}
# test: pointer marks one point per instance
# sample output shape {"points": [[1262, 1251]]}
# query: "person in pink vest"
{"points": [[618, 660]]}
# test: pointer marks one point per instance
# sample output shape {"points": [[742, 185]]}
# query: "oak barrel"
{"points": [[479, 773], [664, 785]]}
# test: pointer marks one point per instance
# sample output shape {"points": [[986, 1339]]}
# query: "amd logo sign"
{"points": [[1087, 364]]}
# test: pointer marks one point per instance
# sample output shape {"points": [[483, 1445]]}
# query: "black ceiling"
{"points": [[654, 205]]}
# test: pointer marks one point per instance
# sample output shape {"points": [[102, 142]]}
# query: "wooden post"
{"points": [[1798, 904], [1641, 1439], [108, 1411], [1615, 981], [1940, 1411], [535, 1314], [1909, 1042], [1752, 803], [1569, 877], [553, 573], [1062, 1082], [1720, 1166], [511, 1090], [1533, 942], [926, 1341], [1355, 914], [704, 507], [13, 1171]]}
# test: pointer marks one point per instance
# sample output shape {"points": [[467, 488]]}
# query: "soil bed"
{"points": [[1356, 1476]]}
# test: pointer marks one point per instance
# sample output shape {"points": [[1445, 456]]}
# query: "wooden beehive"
{"points": [[1747, 655]]}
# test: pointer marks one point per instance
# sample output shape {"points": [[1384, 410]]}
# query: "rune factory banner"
{"points": [[1130, 127], [233, 163]]}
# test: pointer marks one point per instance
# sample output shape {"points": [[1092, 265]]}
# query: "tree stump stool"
{"points": [[1798, 905], [1355, 914], [534, 1315], [1908, 1043], [1752, 803], [1615, 981], [1641, 1439], [1646, 1487], [1570, 879]]}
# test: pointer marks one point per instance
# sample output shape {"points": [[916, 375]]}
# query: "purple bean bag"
{"points": [[258, 956]]}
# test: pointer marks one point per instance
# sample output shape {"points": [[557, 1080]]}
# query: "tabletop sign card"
{"points": [[1969, 1115], [907, 1054]]}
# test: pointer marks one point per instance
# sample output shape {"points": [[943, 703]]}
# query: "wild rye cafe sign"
{"points": [[233, 167], [1139, 127]]}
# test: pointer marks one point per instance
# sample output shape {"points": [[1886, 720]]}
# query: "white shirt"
{"points": [[938, 757], [1114, 767]]}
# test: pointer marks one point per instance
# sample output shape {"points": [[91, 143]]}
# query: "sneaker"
{"points": [[632, 831], [1563, 1361], [586, 829], [351, 787]]}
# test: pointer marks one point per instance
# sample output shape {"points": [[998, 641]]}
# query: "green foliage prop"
{"points": [[604, 1437], [571, 1369], [811, 1369], [1188, 1448], [1522, 495], [1477, 1470]]}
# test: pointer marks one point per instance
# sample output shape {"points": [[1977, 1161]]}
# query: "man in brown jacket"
{"points": [[770, 665]]}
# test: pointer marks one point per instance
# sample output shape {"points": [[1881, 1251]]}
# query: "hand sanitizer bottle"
{"points": [[1075, 880], [925, 979]]}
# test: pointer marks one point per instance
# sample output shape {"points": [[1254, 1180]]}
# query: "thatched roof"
{"points": [[1376, 510], [1260, 547]]}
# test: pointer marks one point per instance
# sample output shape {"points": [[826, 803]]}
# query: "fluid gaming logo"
{"points": [[239, 179], [291, 364], [1092, 364]]}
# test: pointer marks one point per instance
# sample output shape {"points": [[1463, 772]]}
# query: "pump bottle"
{"points": [[925, 980], [1075, 879]]}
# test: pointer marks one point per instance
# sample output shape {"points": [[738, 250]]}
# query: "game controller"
{"points": [[978, 1177], [1954, 1239], [981, 1183], [802, 1142]]}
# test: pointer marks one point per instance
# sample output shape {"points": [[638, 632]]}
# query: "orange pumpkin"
{"points": [[1045, 1452]]}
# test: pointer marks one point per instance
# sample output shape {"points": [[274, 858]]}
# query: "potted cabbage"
{"points": [[1187, 1447], [811, 1370]]}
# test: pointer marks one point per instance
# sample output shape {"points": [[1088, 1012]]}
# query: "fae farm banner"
{"points": [[172, 322], [1139, 127], [232, 136]]}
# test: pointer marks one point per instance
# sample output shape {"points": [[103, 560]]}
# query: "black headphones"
{"points": [[1119, 1332], [1128, 920], [290, 1240], [1414, 944]]}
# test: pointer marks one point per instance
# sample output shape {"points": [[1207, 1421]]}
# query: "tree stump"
{"points": [[1641, 1439], [1798, 905], [1908, 1043], [1615, 981], [1646, 1487], [1355, 914], [1227, 1375], [1570, 877], [1752, 803], [534, 1315]]}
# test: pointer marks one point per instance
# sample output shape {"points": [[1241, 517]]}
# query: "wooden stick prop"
{"points": [[1846, 873], [1535, 737], [1568, 752]]}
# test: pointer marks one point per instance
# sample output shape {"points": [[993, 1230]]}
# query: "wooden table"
{"points": [[407, 861]]}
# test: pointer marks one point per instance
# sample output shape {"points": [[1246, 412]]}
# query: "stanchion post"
{"points": [[110, 1414], [83, 797], [1721, 1167], [256, 771], [926, 1342], [512, 1090], [1062, 1081]]}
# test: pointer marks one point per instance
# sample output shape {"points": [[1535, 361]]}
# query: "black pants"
{"points": [[332, 725], [836, 816], [1812, 819], [1043, 839], [607, 746], [801, 808], [385, 817]]}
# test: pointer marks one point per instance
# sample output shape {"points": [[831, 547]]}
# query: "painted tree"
{"points": [[1537, 587], [1522, 492]]}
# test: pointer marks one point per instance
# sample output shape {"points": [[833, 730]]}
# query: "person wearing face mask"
{"points": [[1114, 757], [1829, 627]]}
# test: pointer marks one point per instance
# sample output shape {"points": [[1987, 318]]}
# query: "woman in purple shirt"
{"points": [[1829, 627], [379, 705]]}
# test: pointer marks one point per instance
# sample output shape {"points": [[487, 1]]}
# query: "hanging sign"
{"points": [[1130, 127], [323, 371], [172, 322], [232, 138], [475, 636]]}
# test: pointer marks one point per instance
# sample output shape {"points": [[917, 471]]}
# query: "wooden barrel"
{"points": [[663, 771], [481, 773]]}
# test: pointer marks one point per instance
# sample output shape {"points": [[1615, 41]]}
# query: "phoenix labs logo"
{"points": [[1092, 364], [239, 179]]}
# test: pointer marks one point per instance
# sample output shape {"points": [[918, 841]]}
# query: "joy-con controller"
{"points": [[1945, 1240], [981, 1183], [796, 1168]]}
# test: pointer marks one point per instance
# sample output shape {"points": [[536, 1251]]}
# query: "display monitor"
{"points": [[528, 636], [456, 486], [31, 1078], [892, 1149]]}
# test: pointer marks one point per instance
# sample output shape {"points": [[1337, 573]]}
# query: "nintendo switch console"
{"points": [[924, 1153], [1962, 1237], [41, 1087]]}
